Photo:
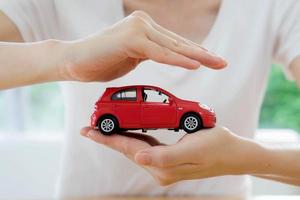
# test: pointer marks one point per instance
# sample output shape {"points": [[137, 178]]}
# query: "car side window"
{"points": [[126, 95], [154, 96]]}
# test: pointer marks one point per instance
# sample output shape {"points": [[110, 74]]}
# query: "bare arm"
{"points": [[20, 64], [285, 165], [103, 56], [208, 153], [28, 63], [282, 179], [295, 69], [8, 30]]}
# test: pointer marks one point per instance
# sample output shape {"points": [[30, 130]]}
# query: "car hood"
{"points": [[187, 102], [182, 101]]}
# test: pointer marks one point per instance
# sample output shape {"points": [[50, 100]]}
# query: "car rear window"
{"points": [[125, 95]]}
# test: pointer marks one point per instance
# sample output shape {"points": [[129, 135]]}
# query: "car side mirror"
{"points": [[171, 101]]}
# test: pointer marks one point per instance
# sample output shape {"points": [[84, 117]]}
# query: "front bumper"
{"points": [[210, 121]]}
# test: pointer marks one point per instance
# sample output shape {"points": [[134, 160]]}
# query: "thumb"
{"points": [[162, 156]]}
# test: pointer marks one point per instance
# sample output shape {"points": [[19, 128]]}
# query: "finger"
{"points": [[146, 138], [217, 65], [167, 176], [173, 174], [191, 51], [84, 131], [164, 156], [164, 55], [177, 37], [126, 145], [165, 31]]}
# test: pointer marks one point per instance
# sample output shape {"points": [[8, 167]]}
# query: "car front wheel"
{"points": [[108, 125], [191, 123]]}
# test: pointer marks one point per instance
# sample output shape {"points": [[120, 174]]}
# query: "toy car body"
{"points": [[148, 107]]}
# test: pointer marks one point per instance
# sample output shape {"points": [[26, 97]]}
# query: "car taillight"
{"points": [[93, 119]]}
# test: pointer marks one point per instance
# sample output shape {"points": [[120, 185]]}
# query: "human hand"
{"points": [[117, 50], [207, 153]]}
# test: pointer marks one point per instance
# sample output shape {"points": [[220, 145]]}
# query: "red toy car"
{"points": [[148, 107]]}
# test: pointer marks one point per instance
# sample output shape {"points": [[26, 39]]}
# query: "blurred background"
{"points": [[31, 129]]}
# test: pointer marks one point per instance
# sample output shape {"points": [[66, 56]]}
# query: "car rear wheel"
{"points": [[191, 123], [108, 125]]}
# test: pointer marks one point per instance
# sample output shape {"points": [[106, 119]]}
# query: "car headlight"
{"points": [[206, 107]]}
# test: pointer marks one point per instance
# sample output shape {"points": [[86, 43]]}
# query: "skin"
{"points": [[207, 153], [215, 152], [85, 60]]}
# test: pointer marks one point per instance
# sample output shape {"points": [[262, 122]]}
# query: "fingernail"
{"points": [[224, 62], [144, 158]]}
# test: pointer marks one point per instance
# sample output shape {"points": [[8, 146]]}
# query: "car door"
{"points": [[156, 110], [127, 108]]}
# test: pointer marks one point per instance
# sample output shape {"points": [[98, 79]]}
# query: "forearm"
{"points": [[30, 63], [283, 179], [272, 162], [103, 56], [284, 162]]}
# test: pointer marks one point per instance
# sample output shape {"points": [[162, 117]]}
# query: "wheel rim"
{"points": [[191, 123], [107, 125]]}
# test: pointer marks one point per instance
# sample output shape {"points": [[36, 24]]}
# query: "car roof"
{"points": [[138, 86], [134, 86]]}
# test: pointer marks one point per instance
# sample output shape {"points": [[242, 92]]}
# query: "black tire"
{"points": [[191, 123], [108, 125]]}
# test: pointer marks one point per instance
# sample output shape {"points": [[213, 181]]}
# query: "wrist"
{"points": [[250, 157], [255, 157], [55, 59], [47, 57], [74, 59]]}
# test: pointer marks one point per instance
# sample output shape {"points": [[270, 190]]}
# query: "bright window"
{"points": [[281, 107], [32, 109]]}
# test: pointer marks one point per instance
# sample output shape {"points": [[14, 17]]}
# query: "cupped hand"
{"points": [[207, 153], [117, 50]]}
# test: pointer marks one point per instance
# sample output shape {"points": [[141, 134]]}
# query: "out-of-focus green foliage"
{"points": [[281, 107]]}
